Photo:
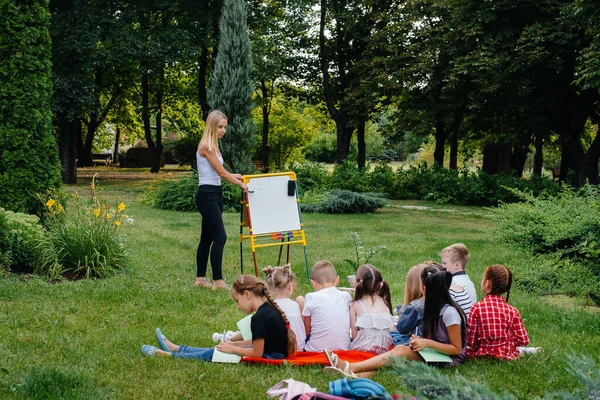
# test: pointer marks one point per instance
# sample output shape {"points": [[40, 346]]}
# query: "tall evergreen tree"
{"points": [[231, 85], [28, 152]]}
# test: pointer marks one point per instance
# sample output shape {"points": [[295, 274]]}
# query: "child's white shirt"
{"points": [[329, 312], [292, 312]]}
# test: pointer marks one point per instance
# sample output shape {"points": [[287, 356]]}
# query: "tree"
{"points": [[231, 85], [29, 162]]}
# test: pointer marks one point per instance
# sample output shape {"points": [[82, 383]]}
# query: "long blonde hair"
{"points": [[210, 138], [260, 288], [413, 286]]}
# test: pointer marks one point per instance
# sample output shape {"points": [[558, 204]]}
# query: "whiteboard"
{"points": [[269, 206]]}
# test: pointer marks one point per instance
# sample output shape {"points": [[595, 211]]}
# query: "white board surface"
{"points": [[270, 207]]}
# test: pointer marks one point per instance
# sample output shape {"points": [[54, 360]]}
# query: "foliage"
{"points": [[19, 234], [347, 176], [362, 256], [180, 194], [429, 383], [87, 242], [290, 131], [347, 202], [568, 223], [231, 85], [311, 176], [28, 152]]}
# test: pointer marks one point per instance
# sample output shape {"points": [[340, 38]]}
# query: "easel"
{"points": [[270, 210]]}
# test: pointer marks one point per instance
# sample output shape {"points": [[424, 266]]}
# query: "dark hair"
{"points": [[259, 288], [437, 281], [501, 279], [370, 282]]}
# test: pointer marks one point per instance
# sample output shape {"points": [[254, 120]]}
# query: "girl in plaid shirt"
{"points": [[495, 327]]}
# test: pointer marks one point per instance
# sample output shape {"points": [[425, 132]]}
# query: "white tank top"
{"points": [[206, 173]]}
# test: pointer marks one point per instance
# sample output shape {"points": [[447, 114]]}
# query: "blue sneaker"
{"points": [[161, 340], [148, 350]]}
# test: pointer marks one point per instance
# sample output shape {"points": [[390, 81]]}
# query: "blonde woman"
{"points": [[209, 201]]}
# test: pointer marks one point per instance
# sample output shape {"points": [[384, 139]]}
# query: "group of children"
{"points": [[440, 312]]}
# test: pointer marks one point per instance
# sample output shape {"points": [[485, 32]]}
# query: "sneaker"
{"points": [[222, 337], [530, 350]]}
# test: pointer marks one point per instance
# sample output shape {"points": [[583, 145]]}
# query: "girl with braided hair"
{"points": [[371, 312], [495, 327], [443, 330], [282, 284], [271, 333]]}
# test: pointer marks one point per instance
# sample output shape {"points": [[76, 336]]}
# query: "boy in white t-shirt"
{"points": [[455, 259], [326, 311]]}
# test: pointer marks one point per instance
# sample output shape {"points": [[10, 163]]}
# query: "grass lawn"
{"points": [[81, 340]]}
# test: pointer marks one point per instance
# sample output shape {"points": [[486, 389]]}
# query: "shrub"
{"points": [[29, 160], [311, 176], [180, 194], [347, 176], [568, 222], [347, 202], [429, 383], [87, 241], [19, 235]]}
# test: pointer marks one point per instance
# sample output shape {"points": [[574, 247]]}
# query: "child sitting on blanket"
{"points": [[410, 314], [444, 325], [371, 312], [325, 311], [495, 327], [271, 333], [282, 283]]}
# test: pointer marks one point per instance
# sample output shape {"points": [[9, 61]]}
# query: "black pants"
{"points": [[209, 201]]}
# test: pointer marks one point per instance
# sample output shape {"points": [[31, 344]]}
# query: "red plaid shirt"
{"points": [[495, 329]]}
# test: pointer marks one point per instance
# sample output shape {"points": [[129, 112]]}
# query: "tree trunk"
{"points": [[518, 159], [264, 152], [454, 150], [538, 159], [440, 141], [146, 106], [339, 116], [202, 95], [158, 150], [68, 149], [362, 147], [115, 159], [496, 158]]}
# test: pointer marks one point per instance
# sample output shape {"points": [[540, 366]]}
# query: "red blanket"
{"points": [[309, 357]]}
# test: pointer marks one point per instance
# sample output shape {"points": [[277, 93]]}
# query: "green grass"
{"points": [[81, 340]]}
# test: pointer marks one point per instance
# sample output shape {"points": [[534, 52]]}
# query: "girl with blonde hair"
{"points": [[209, 201]]}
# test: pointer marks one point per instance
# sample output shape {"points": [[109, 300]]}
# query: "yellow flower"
{"points": [[50, 203], [97, 212], [107, 216], [122, 207], [104, 206], [118, 223]]}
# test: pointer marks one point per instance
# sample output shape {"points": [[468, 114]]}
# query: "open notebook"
{"points": [[244, 328]]}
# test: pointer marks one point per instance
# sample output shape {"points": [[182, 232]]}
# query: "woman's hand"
{"points": [[238, 177], [244, 187]]}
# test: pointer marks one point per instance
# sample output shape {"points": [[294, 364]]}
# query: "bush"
{"points": [[311, 176], [180, 194], [568, 223], [19, 235], [347, 176], [83, 240], [29, 161], [347, 202]]}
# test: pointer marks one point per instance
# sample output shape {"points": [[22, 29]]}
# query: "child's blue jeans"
{"points": [[206, 354]]}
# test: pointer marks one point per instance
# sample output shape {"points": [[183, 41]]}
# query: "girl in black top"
{"points": [[271, 333]]}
